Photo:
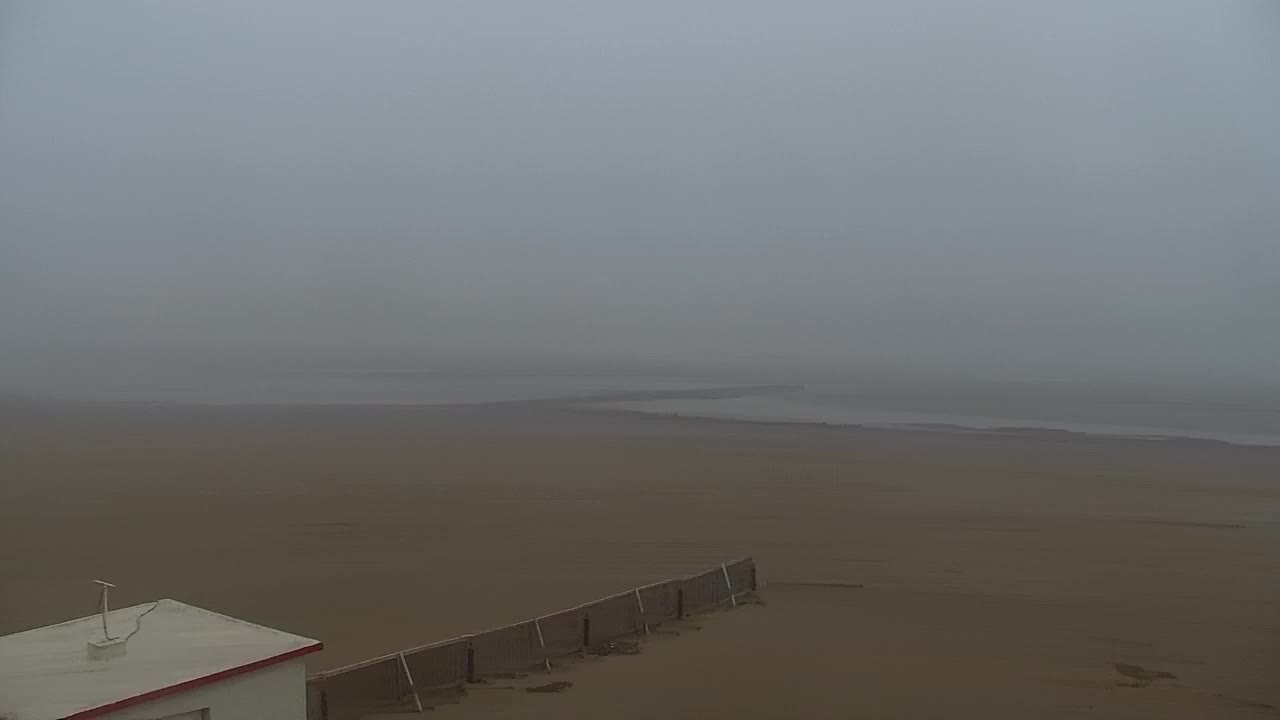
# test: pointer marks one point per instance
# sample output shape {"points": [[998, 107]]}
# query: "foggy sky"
{"points": [[1043, 188]]}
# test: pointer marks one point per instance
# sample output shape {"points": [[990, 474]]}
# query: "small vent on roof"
{"points": [[107, 649]]}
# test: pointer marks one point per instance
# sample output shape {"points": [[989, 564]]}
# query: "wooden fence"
{"points": [[402, 680]]}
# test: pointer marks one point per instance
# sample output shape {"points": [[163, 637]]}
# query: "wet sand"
{"points": [[819, 652], [1011, 573]]}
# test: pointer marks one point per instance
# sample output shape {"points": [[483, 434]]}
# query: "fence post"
{"points": [[640, 607], [586, 630], [754, 587], [679, 603], [413, 687], [728, 585], [471, 662], [542, 646]]}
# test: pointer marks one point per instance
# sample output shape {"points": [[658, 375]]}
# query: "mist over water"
{"points": [[984, 210], [1241, 413]]}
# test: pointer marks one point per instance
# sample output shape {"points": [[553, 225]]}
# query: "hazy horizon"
{"points": [[1082, 192]]}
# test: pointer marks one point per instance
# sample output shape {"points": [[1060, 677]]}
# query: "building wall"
{"points": [[277, 692]]}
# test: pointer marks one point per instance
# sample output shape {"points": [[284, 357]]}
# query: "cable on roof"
{"points": [[138, 622]]}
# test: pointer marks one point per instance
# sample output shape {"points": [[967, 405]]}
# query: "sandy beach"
{"points": [[1002, 575]]}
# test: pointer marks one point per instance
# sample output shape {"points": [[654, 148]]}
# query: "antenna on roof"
{"points": [[102, 605]]}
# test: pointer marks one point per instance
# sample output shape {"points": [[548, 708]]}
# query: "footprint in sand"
{"points": [[1140, 677]]}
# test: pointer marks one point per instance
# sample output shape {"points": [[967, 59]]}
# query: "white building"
{"points": [[164, 661]]}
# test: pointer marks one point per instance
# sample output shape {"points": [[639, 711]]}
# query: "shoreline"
{"points": [[1027, 431], [597, 405]]}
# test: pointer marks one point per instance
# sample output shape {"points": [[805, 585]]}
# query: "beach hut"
{"points": [[162, 660]]}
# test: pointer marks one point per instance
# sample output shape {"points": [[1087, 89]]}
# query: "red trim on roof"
{"points": [[192, 684]]}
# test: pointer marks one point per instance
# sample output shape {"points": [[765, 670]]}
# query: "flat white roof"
{"points": [[46, 673]]}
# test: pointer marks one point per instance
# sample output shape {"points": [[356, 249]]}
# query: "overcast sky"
{"points": [[1043, 188]]}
